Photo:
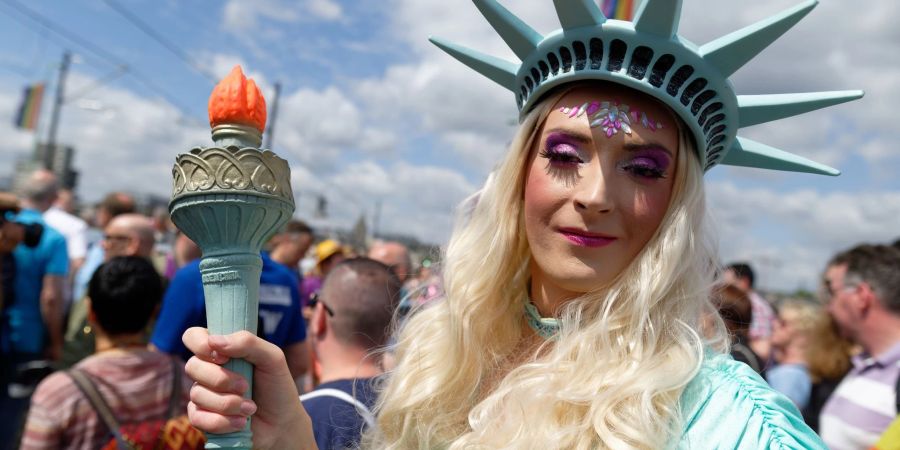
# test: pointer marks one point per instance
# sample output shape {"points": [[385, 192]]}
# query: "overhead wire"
{"points": [[149, 31], [95, 49]]}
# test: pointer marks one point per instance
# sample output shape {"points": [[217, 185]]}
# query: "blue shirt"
{"points": [[337, 424], [22, 323], [281, 321], [92, 261], [791, 380]]}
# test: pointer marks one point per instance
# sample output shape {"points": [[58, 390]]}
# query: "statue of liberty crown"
{"points": [[649, 56]]}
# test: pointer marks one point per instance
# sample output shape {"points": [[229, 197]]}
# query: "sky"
{"points": [[387, 127]]}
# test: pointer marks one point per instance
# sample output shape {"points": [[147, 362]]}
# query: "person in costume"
{"points": [[576, 289]]}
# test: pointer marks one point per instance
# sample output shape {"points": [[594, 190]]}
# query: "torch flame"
{"points": [[237, 100]]}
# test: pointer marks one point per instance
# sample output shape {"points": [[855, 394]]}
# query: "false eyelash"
{"points": [[645, 171], [560, 157]]}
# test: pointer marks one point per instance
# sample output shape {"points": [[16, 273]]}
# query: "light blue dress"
{"points": [[728, 406]]}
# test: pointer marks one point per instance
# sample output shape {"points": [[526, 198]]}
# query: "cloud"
{"points": [[797, 231], [241, 16]]}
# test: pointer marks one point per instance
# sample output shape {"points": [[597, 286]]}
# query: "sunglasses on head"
{"points": [[315, 298]]}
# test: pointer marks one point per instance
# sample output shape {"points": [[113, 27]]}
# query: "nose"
{"points": [[593, 193]]}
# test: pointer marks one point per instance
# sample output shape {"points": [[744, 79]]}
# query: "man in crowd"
{"points": [[31, 322], [394, 255], [71, 227], [742, 276], [126, 235], [112, 205], [863, 287], [290, 245], [135, 382], [280, 319], [350, 322]]}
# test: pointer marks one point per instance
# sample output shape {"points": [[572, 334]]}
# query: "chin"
{"points": [[581, 278]]}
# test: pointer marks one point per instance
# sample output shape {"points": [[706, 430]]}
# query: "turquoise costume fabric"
{"points": [[728, 406]]}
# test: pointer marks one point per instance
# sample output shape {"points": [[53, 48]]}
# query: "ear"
{"points": [[865, 299], [91, 317], [318, 323]]}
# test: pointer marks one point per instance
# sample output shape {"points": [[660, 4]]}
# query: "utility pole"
{"points": [[273, 116], [50, 149]]}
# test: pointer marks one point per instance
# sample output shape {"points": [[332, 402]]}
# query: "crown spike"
{"points": [[578, 13], [756, 109], [729, 53], [500, 71], [520, 37], [658, 17], [748, 153]]}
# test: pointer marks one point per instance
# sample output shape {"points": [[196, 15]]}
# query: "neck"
{"points": [[548, 298], [793, 353], [105, 342], [340, 362], [881, 333]]}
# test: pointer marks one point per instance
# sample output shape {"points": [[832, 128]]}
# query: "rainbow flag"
{"points": [[30, 109], [618, 9]]}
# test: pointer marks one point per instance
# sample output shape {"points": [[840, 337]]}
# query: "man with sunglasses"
{"points": [[862, 287], [350, 322]]}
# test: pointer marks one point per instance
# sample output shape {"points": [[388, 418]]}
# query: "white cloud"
{"points": [[241, 16], [796, 232], [325, 9]]}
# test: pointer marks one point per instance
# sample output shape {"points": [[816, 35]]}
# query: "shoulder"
{"points": [[728, 405]]}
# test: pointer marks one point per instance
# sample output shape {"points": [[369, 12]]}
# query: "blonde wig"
{"points": [[613, 376]]}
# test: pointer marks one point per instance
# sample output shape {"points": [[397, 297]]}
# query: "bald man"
{"points": [[350, 321], [128, 235], [125, 235], [394, 255]]}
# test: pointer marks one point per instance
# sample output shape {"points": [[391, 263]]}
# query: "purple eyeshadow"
{"points": [[561, 143], [655, 158]]}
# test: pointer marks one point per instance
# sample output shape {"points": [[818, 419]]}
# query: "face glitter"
{"points": [[612, 117]]}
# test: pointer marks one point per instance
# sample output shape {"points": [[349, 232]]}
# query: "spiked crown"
{"points": [[649, 56]]}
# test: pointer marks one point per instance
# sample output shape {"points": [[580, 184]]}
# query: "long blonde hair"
{"points": [[613, 376]]}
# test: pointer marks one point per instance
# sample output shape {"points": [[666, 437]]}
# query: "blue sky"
{"points": [[371, 114]]}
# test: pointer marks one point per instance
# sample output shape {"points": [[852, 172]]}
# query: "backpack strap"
{"points": [[174, 400], [89, 389], [361, 407]]}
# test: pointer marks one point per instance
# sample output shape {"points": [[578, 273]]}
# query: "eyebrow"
{"points": [[574, 135], [648, 146]]}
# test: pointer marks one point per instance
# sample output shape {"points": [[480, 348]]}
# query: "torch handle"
{"points": [[231, 288]]}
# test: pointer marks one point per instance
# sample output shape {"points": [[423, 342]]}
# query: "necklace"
{"points": [[544, 327]]}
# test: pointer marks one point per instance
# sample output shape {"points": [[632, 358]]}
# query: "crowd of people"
{"points": [[578, 303], [110, 296], [116, 308]]}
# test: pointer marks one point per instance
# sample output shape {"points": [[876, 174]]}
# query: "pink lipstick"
{"points": [[586, 239]]}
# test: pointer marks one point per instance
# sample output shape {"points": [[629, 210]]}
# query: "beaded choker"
{"points": [[544, 327]]}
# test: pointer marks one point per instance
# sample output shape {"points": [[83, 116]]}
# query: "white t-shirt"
{"points": [[72, 228]]}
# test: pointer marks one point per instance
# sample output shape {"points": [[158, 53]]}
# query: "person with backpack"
{"points": [[124, 391], [350, 322]]}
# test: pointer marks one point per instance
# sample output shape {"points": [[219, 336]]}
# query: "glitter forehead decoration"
{"points": [[649, 56], [611, 117]]}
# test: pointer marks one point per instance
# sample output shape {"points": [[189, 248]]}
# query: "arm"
{"points": [[52, 312], [217, 404]]}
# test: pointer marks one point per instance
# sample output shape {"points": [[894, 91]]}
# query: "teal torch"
{"points": [[229, 199]]}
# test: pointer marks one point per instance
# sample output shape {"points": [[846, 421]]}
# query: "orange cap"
{"points": [[237, 100]]}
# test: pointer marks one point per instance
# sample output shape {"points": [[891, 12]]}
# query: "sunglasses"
{"points": [[315, 299]]}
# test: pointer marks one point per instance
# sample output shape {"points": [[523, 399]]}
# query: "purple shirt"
{"points": [[863, 405]]}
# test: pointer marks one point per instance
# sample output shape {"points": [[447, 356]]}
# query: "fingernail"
{"points": [[241, 386], [238, 422], [248, 407]]}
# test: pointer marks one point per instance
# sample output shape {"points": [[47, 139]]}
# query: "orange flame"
{"points": [[237, 100]]}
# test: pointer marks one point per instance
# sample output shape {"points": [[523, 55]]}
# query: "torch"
{"points": [[229, 199]]}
